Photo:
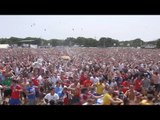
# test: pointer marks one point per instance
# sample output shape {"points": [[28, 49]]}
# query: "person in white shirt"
{"points": [[1, 87], [17, 71], [50, 79], [158, 82], [113, 83], [94, 79], [55, 78], [41, 80], [51, 97]]}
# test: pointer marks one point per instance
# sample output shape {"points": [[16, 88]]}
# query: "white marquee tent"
{"points": [[5, 46]]}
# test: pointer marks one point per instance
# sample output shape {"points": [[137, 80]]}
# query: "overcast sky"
{"points": [[121, 27]]}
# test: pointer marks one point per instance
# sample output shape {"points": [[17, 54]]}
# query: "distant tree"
{"points": [[108, 42], [137, 43], [81, 41], [133, 43], [70, 41], [158, 43]]}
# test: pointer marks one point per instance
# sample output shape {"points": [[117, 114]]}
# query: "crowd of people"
{"points": [[85, 76]]}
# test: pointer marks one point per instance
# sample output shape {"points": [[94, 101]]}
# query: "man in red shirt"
{"points": [[125, 85], [15, 96], [138, 84], [83, 78], [123, 75], [87, 83]]}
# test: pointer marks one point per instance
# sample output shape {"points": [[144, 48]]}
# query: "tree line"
{"points": [[80, 41]]}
